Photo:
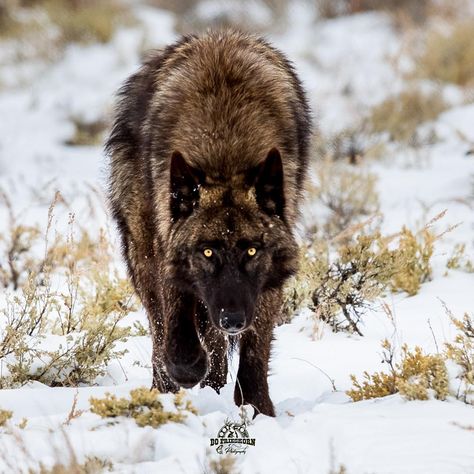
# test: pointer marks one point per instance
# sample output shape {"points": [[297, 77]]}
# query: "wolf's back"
{"points": [[223, 99]]}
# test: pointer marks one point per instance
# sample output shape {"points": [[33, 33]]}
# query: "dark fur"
{"points": [[209, 150]]}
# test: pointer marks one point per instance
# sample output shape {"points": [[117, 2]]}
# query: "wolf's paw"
{"points": [[189, 372]]}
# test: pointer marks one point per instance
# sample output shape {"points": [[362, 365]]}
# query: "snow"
{"points": [[347, 64]]}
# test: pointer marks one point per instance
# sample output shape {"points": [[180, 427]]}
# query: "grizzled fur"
{"points": [[208, 152]]}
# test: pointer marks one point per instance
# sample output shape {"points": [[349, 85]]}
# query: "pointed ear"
{"points": [[269, 185], [184, 186]]}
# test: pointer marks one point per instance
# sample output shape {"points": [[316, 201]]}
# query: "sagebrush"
{"points": [[71, 289], [414, 377], [346, 279], [417, 376], [144, 406]]}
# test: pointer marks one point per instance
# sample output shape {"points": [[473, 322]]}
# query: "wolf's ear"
{"points": [[184, 186], [269, 184]]}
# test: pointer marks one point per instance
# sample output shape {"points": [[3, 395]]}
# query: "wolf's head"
{"points": [[229, 240]]}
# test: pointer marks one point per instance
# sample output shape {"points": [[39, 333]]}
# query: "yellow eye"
{"points": [[252, 251], [207, 253]]}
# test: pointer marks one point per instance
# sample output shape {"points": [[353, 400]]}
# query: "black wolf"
{"points": [[208, 155]]}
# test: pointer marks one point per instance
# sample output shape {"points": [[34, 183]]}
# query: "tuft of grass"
{"points": [[401, 115], [144, 406], [5, 415], [414, 377], [449, 57]]}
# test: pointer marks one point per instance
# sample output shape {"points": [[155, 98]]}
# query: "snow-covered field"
{"points": [[317, 428]]}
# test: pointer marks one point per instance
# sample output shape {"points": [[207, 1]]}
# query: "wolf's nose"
{"points": [[232, 322]]}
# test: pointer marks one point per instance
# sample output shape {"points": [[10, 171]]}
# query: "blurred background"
{"points": [[373, 68]]}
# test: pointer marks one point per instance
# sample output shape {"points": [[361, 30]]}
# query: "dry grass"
{"points": [[400, 116], [449, 57]]}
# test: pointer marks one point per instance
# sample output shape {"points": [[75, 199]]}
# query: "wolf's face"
{"points": [[229, 243]]}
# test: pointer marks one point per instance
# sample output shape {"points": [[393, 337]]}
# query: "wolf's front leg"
{"points": [[252, 385], [161, 379], [185, 359], [217, 346]]}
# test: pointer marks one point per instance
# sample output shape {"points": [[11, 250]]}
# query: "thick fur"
{"points": [[209, 149]]}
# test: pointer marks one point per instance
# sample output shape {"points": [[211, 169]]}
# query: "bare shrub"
{"points": [[348, 194]]}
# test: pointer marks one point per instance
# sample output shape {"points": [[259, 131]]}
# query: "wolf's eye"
{"points": [[251, 251], [207, 253]]}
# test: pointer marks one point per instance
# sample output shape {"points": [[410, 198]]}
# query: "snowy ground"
{"points": [[316, 428]]}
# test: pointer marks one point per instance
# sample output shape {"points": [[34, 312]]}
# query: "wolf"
{"points": [[207, 160]]}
